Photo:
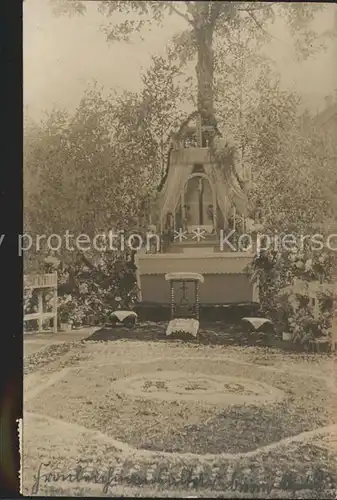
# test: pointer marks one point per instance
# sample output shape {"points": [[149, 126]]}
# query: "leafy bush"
{"points": [[304, 326], [274, 270], [89, 293], [66, 310], [270, 271]]}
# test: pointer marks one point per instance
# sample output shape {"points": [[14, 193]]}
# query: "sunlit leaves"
{"points": [[300, 17], [68, 7], [183, 47], [262, 118], [296, 181], [96, 166], [138, 15], [256, 18], [79, 184]]}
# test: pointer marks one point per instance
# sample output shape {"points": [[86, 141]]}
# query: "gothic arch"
{"points": [[212, 188]]}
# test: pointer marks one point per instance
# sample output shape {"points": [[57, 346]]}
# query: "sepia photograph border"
{"points": [[11, 265]]}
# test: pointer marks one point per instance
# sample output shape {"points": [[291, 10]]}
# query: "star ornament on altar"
{"points": [[180, 235], [198, 234]]}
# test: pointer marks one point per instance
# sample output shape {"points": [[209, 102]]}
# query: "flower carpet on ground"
{"points": [[156, 417]]}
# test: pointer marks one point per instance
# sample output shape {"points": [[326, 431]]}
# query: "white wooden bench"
{"points": [[41, 283]]}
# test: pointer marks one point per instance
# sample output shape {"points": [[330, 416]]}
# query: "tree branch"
{"points": [[181, 14], [257, 22], [250, 13], [260, 7]]}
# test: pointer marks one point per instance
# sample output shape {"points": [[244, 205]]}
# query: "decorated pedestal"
{"points": [[184, 325]]}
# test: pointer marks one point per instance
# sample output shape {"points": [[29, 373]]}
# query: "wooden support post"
{"points": [[199, 131], [172, 299], [183, 212], [197, 300], [40, 310], [55, 310]]}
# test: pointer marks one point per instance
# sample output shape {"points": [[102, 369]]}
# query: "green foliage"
{"points": [[205, 21], [95, 170], [68, 7], [251, 108], [267, 271], [133, 16], [273, 271], [304, 326], [66, 311], [282, 162], [68, 161], [90, 293], [294, 166], [162, 98]]}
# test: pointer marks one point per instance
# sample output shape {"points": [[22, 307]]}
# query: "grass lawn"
{"points": [[156, 418]]}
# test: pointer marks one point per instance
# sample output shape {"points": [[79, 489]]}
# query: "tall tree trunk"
{"points": [[205, 72]]}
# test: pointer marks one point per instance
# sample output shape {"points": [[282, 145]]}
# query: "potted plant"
{"points": [[65, 314]]}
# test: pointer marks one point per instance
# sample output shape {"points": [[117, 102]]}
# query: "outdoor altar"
{"points": [[201, 201]]}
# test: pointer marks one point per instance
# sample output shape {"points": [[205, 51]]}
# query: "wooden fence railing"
{"points": [[41, 283]]}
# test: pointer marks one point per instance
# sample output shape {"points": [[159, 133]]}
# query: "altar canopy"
{"points": [[224, 183]]}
